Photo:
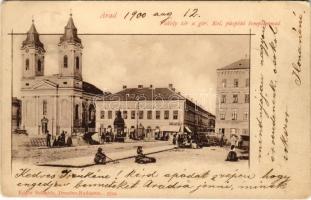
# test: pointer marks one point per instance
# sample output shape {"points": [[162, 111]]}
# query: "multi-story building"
{"points": [[60, 102], [232, 105], [155, 111]]}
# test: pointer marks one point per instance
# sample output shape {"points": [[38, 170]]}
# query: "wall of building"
{"points": [[57, 106], [232, 116], [103, 107], [198, 119]]}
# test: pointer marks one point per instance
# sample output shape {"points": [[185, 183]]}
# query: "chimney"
{"points": [[170, 86], [124, 87], [151, 86], [140, 86]]}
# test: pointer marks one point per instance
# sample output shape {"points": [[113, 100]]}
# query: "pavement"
{"points": [[186, 159], [163, 151], [126, 153], [42, 155]]}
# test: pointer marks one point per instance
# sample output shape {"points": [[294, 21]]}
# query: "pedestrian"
{"points": [[48, 139], [189, 138], [55, 142], [100, 157], [232, 155], [62, 139], [59, 141], [102, 138], [69, 141], [174, 139], [233, 140], [221, 143]]}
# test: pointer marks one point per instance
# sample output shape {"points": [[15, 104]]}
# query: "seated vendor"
{"points": [[232, 155], [140, 151], [100, 157], [141, 158]]}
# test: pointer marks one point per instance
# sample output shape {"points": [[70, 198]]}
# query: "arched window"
{"points": [[77, 63], [39, 65], [77, 112], [65, 61], [44, 107], [27, 64]]}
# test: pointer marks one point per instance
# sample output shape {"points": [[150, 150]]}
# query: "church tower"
{"points": [[32, 54], [70, 52]]}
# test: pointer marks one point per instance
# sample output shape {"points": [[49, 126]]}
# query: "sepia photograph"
{"points": [[83, 100], [148, 99]]}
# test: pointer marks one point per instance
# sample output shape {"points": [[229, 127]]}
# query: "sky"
{"points": [[189, 62]]}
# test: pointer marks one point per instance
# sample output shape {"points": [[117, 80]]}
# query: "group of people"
{"points": [[109, 136], [59, 141], [141, 158], [184, 140]]}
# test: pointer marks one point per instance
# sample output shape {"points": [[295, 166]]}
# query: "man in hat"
{"points": [[48, 139], [140, 151], [100, 157]]}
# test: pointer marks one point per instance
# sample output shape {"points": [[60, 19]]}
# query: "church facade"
{"points": [[60, 102]]}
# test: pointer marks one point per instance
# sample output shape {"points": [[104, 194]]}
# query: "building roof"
{"points": [[145, 93], [70, 34], [90, 88], [240, 64], [148, 94], [32, 39]]}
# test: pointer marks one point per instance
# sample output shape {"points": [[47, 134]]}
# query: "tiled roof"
{"points": [[240, 64], [147, 93], [90, 88]]}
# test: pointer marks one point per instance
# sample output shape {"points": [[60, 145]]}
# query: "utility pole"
{"points": [[52, 125], [137, 116], [195, 119], [57, 125]]}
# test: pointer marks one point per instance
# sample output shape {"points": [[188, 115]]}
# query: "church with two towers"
{"points": [[59, 102]]}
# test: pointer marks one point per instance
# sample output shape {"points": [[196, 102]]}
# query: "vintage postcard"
{"points": [[166, 99]]}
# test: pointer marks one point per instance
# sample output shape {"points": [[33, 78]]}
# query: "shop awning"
{"points": [[187, 129], [170, 128]]}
